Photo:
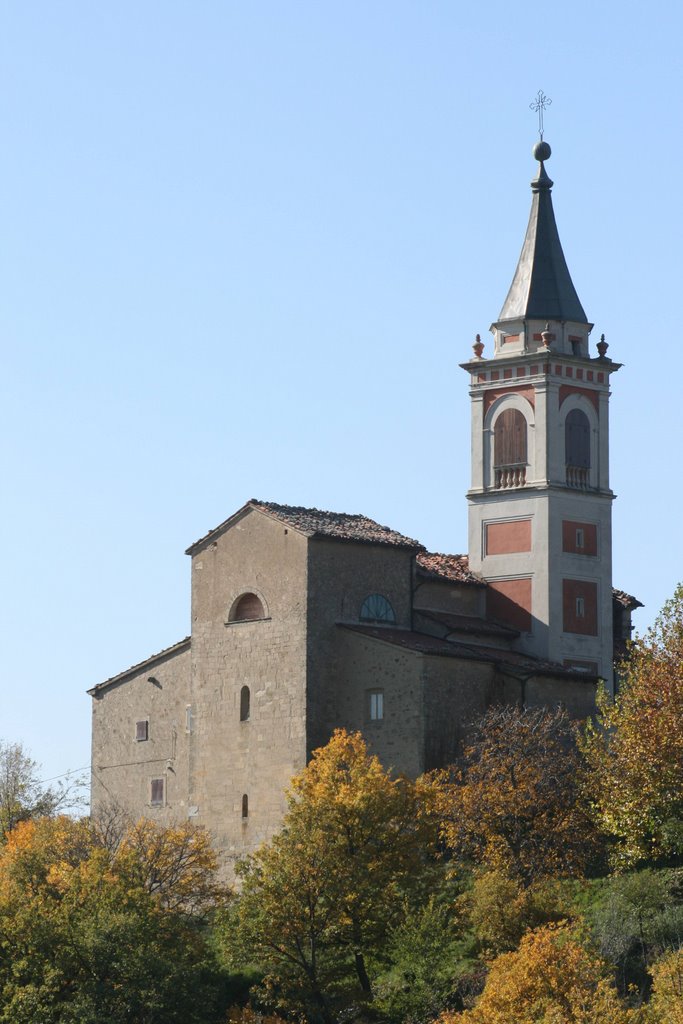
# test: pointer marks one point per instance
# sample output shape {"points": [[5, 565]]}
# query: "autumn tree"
{"points": [[318, 900], [550, 979], [515, 802], [635, 751], [24, 796], [666, 1005], [83, 939]]}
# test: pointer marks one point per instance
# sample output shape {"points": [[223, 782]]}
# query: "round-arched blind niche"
{"points": [[376, 608], [247, 607]]}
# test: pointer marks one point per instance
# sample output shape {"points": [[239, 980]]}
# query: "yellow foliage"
{"points": [[636, 753], [550, 979], [666, 1006]]}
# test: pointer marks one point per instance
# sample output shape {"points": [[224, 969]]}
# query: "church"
{"points": [[304, 620]]}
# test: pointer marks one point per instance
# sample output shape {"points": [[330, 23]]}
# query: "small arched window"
{"points": [[376, 608], [247, 607], [245, 701], [245, 807], [577, 440], [509, 439]]}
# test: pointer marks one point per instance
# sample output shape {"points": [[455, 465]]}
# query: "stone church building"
{"points": [[304, 620]]}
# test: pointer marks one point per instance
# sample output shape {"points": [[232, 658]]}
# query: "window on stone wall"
{"points": [[375, 705], [188, 718], [157, 792], [376, 608], [245, 701], [142, 730], [247, 607], [245, 807]]}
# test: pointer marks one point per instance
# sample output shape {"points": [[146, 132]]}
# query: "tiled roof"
{"points": [[421, 643], [167, 652], [454, 568], [469, 624], [622, 598], [314, 522]]}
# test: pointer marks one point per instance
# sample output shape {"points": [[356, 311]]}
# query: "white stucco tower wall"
{"points": [[540, 501]]}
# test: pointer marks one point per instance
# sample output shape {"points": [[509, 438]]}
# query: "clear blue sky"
{"points": [[244, 247]]}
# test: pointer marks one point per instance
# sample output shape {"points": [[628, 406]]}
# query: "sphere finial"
{"points": [[541, 151]]}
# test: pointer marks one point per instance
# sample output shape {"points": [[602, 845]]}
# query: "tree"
{"points": [[515, 804], [666, 1005], [318, 900], [23, 796], [550, 979], [83, 940], [635, 751]]}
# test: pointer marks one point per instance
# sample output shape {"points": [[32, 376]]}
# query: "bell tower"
{"points": [[540, 501]]}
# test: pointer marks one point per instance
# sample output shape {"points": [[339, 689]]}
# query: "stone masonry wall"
{"points": [[341, 576], [232, 759], [123, 767]]}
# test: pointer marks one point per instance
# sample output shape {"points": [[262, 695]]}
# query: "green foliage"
{"points": [[501, 909], [428, 952], [82, 941], [638, 918]]}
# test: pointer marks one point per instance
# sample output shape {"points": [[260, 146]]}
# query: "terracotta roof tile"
{"points": [[622, 598], [422, 643], [315, 522], [454, 568], [469, 624]]}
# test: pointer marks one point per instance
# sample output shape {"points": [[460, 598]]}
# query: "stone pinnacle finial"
{"points": [[478, 347], [602, 347]]}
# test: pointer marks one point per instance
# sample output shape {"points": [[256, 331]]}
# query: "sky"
{"points": [[244, 248]]}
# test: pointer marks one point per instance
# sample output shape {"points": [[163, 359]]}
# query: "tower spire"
{"points": [[542, 287]]}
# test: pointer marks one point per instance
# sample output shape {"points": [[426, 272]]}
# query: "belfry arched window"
{"points": [[376, 608], [247, 607], [510, 448], [245, 702], [577, 448]]}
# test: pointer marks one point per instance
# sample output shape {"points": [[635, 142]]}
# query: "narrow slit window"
{"points": [[142, 731], [245, 704], [579, 539], [580, 608], [245, 807], [188, 718]]}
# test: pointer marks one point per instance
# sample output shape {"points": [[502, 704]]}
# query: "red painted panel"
{"points": [[580, 607], [507, 538], [524, 392], [509, 601], [569, 389], [571, 537]]}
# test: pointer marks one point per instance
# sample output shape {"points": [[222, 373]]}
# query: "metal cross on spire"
{"points": [[539, 105]]}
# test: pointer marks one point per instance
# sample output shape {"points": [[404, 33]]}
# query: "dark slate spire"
{"points": [[542, 288]]}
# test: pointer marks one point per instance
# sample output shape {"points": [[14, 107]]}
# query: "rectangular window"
{"points": [[579, 540], [188, 718], [157, 792], [376, 705], [142, 731], [580, 608]]}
